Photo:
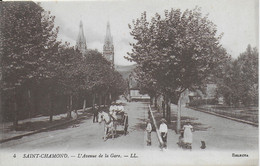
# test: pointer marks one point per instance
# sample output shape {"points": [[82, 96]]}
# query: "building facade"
{"points": [[134, 90], [108, 48], [81, 40]]}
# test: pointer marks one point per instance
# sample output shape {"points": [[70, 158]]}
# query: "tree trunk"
{"points": [[29, 104], [155, 101], [166, 102], [163, 107], [71, 103], [93, 101], [36, 101], [166, 108], [1, 107], [169, 110], [50, 107], [99, 100], [181, 96], [84, 104], [105, 100], [15, 122], [178, 116], [69, 107], [151, 100], [110, 99]]}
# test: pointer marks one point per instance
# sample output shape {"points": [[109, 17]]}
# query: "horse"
{"points": [[109, 127]]}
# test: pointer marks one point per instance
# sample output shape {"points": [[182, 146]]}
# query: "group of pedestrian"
{"points": [[113, 109], [116, 107], [163, 129]]}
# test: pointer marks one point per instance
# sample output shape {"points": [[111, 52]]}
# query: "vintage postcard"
{"points": [[129, 82]]}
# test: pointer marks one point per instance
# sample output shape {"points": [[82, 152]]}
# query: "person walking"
{"points": [[95, 114], [149, 131], [163, 129]]}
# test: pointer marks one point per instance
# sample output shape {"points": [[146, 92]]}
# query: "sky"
{"points": [[237, 19]]}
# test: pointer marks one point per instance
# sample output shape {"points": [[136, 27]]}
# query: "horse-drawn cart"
{"points": [[116, 122], [121, 122]]}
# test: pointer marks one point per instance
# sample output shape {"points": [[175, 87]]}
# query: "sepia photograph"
{"points": [[129, 82]]}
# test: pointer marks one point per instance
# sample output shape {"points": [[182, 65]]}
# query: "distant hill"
{"points": [[125, 70]]}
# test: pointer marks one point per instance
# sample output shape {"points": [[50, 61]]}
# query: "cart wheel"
{"points": [[125, 130], [114, 129], [125, 125]]}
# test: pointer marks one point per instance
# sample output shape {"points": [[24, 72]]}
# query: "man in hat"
{"points": [[149, 131], [95, 114], [163, 129]]}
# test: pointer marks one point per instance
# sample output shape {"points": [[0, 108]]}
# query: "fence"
{"points": [[241, 117]]}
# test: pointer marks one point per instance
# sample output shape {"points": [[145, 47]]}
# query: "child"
{"points": [[188, 133], [148, 131], [187, 139], [163, 130]]}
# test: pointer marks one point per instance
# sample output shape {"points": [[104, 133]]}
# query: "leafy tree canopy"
{"points": [[179, 50]]}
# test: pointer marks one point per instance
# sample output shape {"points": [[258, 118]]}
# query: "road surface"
{"points": [[87, 135], [223, 138], [218, 133], [221, 133]]}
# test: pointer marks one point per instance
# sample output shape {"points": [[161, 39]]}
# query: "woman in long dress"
{"points": [[187, 137]]}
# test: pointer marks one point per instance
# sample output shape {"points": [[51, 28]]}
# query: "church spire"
{"points": [[108, 48], [108, 38], [81, 40]]}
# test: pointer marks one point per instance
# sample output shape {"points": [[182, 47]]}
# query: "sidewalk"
{"points": [[36, 125]]}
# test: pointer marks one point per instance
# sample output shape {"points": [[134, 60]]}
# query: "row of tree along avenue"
{"points": [[238, 81], [42, 76], [180, 51]]}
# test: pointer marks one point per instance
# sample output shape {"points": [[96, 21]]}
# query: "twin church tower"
{"points": [[108, 48]]}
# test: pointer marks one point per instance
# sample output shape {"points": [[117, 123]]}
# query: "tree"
{"points": [[48, 60], [248, 62], [29, 49], [146, 84], [70, 76], [39, 70], [21, 29], [239, 81], [178, 50], [103, 80], [98, 70], [117, 85]]}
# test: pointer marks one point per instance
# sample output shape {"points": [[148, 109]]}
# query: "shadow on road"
{"points": [[32, 126], [141, 125], [73, 124], [117, 135], [184, 120]]}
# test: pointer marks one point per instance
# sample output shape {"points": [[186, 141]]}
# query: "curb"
{"points": [[223, 116], [43, 129]]}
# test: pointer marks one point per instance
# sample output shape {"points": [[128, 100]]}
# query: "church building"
{"points": [[81, 40], [108, 48]]}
